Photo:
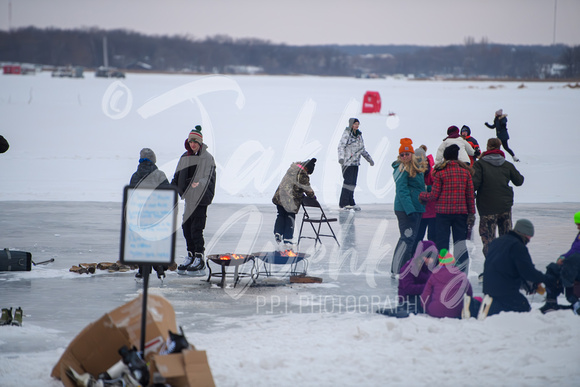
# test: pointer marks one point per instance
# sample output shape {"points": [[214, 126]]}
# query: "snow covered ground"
{"points": [[75, 143]]}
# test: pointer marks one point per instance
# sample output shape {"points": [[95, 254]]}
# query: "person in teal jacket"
{"points": [[409, 182]]}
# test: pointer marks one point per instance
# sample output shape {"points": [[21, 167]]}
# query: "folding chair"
{"points": [[315, 221]]}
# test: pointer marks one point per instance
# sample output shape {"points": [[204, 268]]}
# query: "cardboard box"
{"points": [[95, 348], [189, 368]]}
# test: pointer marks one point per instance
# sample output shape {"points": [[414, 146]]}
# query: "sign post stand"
{"points": [[148, 234]]}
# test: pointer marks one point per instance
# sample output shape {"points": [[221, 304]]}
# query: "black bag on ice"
{"points": [[15, 260]]}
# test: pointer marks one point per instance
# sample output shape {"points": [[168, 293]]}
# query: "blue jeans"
{"points": [[408, 227], [455, 224]]}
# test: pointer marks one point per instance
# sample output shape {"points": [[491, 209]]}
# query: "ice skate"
{"points": [[197, 267]]}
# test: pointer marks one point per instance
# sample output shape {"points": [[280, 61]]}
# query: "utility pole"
{"points": [[10, 16], [555, 11]]}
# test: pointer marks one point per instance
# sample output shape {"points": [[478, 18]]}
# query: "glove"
{"points": [[371, 162], [477, 153], [341, 161]]}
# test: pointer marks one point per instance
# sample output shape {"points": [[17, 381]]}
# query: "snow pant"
{"points": [[488, 225], [560, 278], [474, 306], [516, 302], [284, 224], [504, 143], [193, 226], [349, 175], [427, 225], [455, 224], [408, 228]]}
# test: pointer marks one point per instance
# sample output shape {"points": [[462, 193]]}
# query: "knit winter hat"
{"points": [[451, 152], [577, 217], [524, 226], [452, 130], [147, 153], [499, 112], [445, 258], [406, 146], [420, 154], [309, 165], [195, 135]]}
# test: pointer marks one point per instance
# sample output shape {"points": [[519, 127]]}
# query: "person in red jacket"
{"points": [[453, 191], [466, 134]]}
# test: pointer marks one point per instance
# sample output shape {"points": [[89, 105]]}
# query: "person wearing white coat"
{"points": [[453, 137]]}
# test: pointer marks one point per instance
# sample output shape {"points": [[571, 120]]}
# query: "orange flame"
{"points": [[228, 257], [288, 253]]}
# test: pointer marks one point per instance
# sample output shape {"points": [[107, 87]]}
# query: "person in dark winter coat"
{"points": [[409, 183], [494, 195], [288, 197], [350, 149], [501, 131], [195, 178], [562, 275], [149, 176], [466, 134], [453, 191], [508, 266], [147, 173], [445, 289]]}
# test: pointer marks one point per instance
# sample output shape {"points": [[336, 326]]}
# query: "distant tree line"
{"points": [[222, 54]]}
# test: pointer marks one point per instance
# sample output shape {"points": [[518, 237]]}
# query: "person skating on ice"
{"points": [[195, 178], [501, 131], [350, 149]]}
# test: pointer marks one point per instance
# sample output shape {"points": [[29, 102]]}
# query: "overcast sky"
{"points": [[302, 22]]}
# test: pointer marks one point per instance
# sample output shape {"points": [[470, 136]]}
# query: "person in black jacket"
{"points": [[148, 175], [500, 126], [508, 267], [195, 178]]}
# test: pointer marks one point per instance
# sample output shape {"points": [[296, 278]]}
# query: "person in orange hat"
{"points": [[409, 182]]}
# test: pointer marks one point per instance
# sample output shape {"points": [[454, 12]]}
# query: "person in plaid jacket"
{"points": [[453, 191]]}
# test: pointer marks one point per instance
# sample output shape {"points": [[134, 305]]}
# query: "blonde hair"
{"points": [[416, 165]]}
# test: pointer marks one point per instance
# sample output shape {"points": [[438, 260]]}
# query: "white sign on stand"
{"points": [[149, 225]]}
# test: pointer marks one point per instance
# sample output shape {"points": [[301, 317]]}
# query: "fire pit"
{"points": [[226, 260], [287, 257]]}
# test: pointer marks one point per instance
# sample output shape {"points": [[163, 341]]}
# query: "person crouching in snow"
{"points": [[288, 197], [445, 289], [508, 265], [562, 275], [415, 274]]}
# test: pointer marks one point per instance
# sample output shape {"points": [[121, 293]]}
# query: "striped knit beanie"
{"points": [[195, 135], [445, 258]]}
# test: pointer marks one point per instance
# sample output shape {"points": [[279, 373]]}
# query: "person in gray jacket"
{"points": [[350, 149], [494, 195]]}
